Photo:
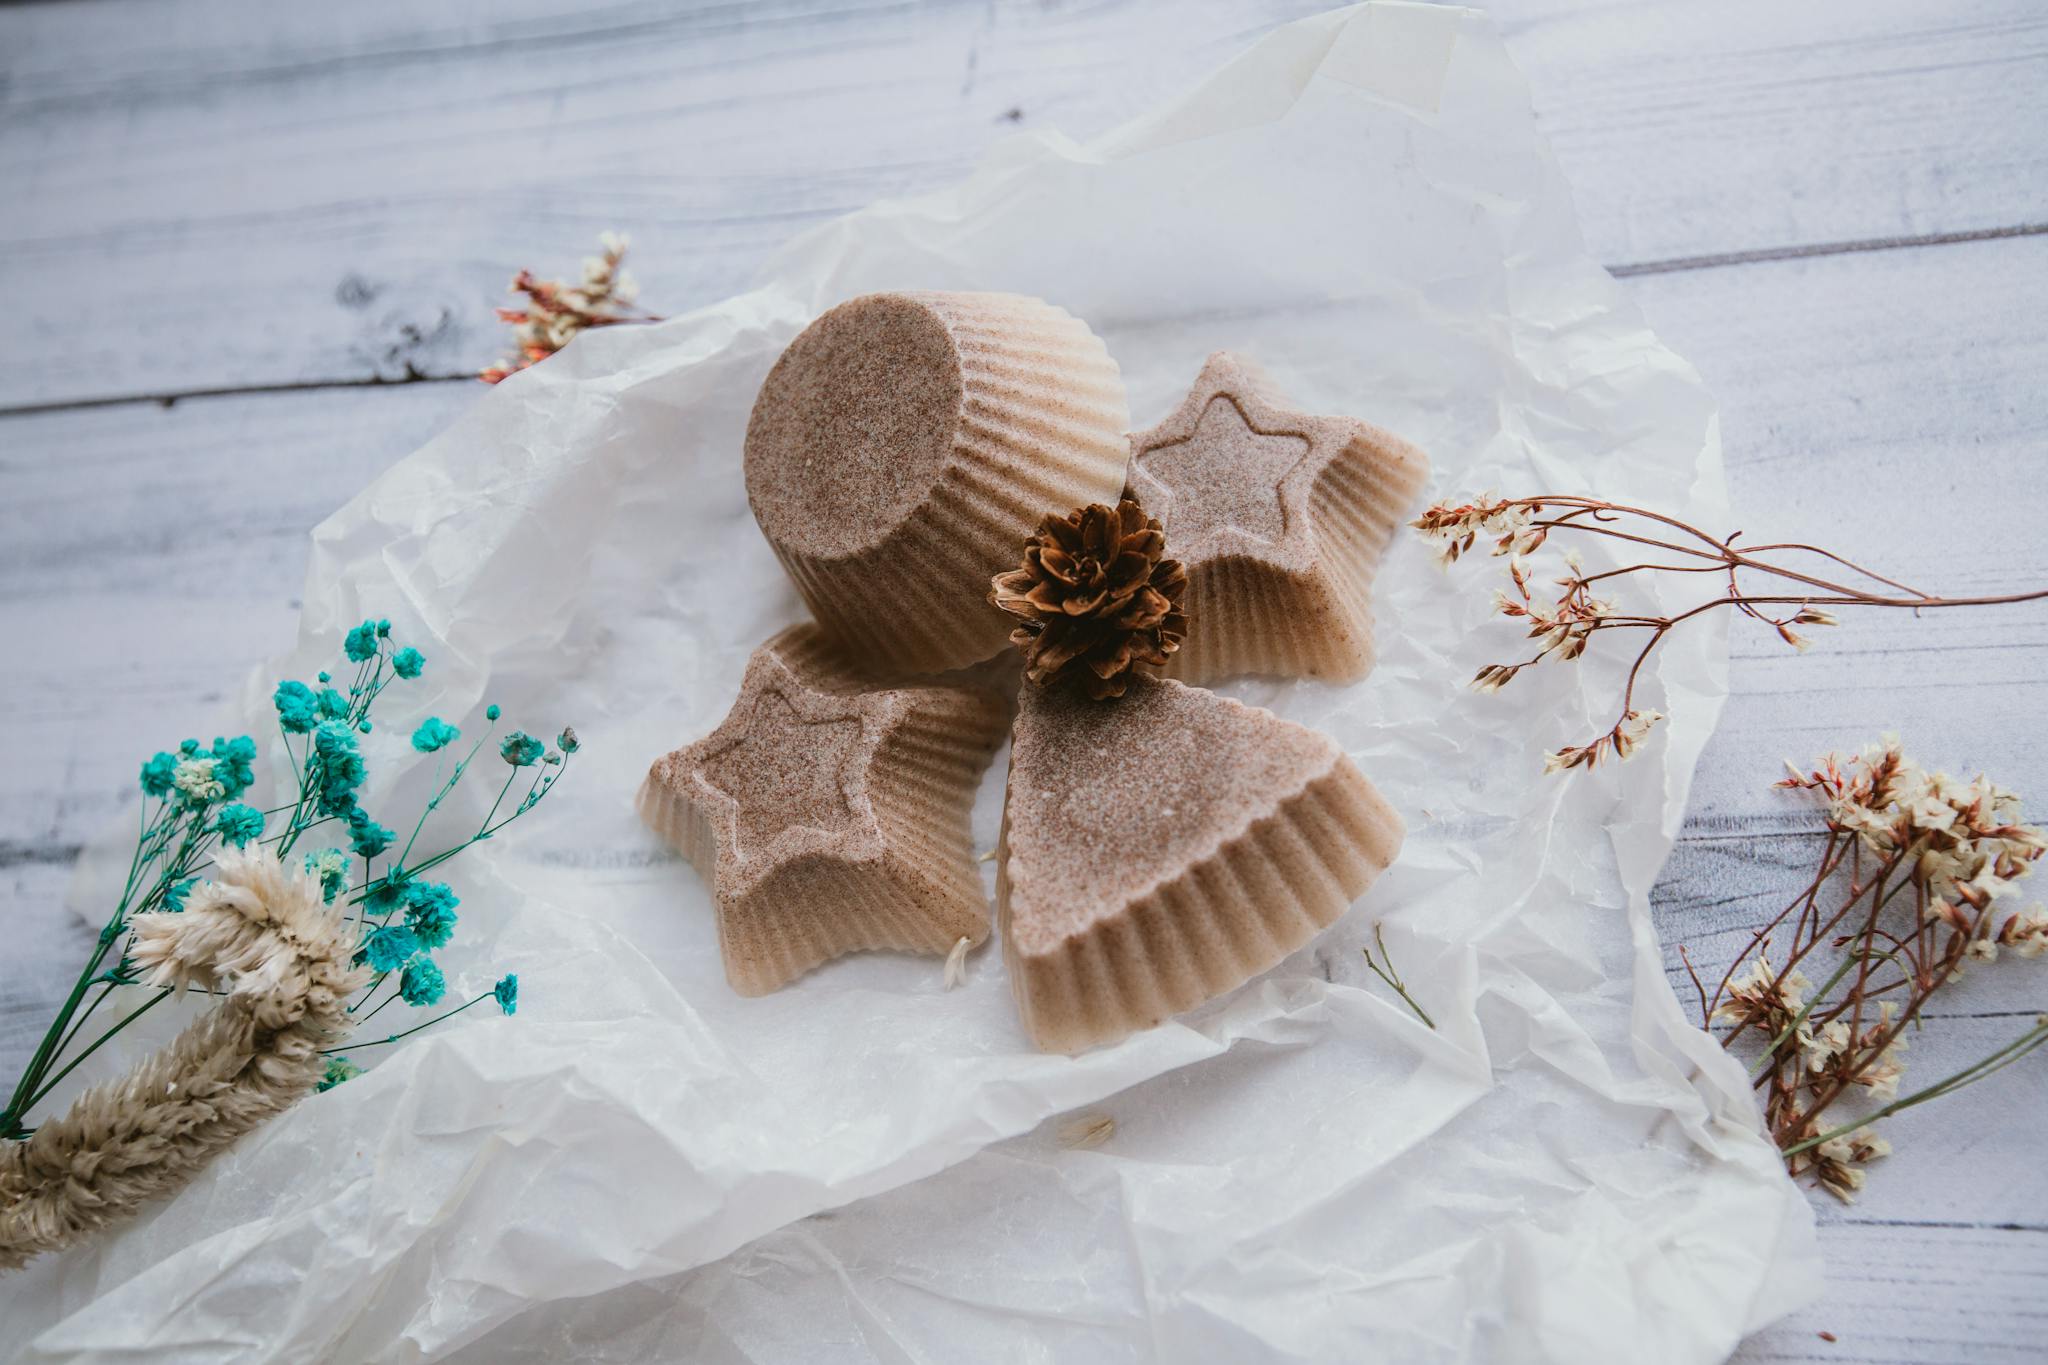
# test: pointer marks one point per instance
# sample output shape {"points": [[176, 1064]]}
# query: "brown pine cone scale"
{"points": [[1096, 598]]}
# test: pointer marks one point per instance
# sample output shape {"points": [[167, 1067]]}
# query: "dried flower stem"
{"points": [[1977, 1071], [1909, 887], [1566, 626], [1392, 977]]}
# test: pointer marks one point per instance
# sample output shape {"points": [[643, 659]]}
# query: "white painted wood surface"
{"points": [[1836, 210]]}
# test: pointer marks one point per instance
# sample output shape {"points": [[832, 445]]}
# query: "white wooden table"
{"points": [[249, 255]]}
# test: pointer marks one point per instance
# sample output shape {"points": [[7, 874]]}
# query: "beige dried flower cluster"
{"points": [[262, 933], [556, 313], [1838, 1163], [1915, 881], [1963, 841], [1564, 627], [1456, 527]]}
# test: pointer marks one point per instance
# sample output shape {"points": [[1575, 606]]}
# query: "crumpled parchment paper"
{"points": [[642, 1165]]}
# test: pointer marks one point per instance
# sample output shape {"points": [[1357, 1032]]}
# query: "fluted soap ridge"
{"points": [[829, 815], [1164, 847], [904, 446]]}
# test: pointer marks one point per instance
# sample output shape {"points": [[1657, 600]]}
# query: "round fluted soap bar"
{"points": [[904, 447]]}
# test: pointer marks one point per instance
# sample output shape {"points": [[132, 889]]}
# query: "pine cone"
{"points": [[1096, 598]]}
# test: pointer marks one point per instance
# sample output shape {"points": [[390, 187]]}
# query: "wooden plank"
{"points": [[397, 167], [1911, 447], [1917, 1296], [391, 164], [1711, 130], [148, 556]]}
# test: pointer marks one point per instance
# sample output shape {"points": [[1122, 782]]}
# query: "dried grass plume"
{"points": [[261, 932]]}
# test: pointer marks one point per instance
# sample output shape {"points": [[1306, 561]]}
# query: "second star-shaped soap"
{"points": [[829, 815], [1280, 516]]}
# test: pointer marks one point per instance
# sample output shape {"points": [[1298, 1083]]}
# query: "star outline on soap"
{"points": [[864, 715], [784, 741], [1279, 451], [1267, 415]]}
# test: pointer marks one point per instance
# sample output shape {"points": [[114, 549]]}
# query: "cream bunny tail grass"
{"points": [[263, 932]]}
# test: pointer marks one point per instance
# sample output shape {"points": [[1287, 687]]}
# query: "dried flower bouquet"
{"points": [[299, 950], [1914, 882]]}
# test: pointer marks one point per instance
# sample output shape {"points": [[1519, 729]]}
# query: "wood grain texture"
{"points": [[347, 188], [232, 196]]}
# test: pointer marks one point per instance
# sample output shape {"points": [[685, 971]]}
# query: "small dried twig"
{"points": [[956, 964], [555, 313], [1087, 1131], [1392, 977], [1806, 586], [1909, 887]]}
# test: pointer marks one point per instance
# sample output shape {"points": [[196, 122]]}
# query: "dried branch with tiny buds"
{"points": [[556, 313], [1804, 584], [1911, 885]]}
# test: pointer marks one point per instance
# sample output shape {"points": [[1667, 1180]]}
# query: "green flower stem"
{"points": [[370, 682], [284, 848], [368, 991], [532, 799], [1392, 977], [483, 830], [161, 834], [97, 1001], [2004, 1057], [358, 894], [97, 1044], [141, 839], [292, 828], [373, 1013], [448, 1014], [154, 835], [434, 802], [30, 1087]]}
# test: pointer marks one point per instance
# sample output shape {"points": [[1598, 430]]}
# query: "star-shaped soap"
{"points": [[829, 814], [1280, 516]]}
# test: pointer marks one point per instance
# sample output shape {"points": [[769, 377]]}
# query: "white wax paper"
{"points": [[864, 1167]]}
